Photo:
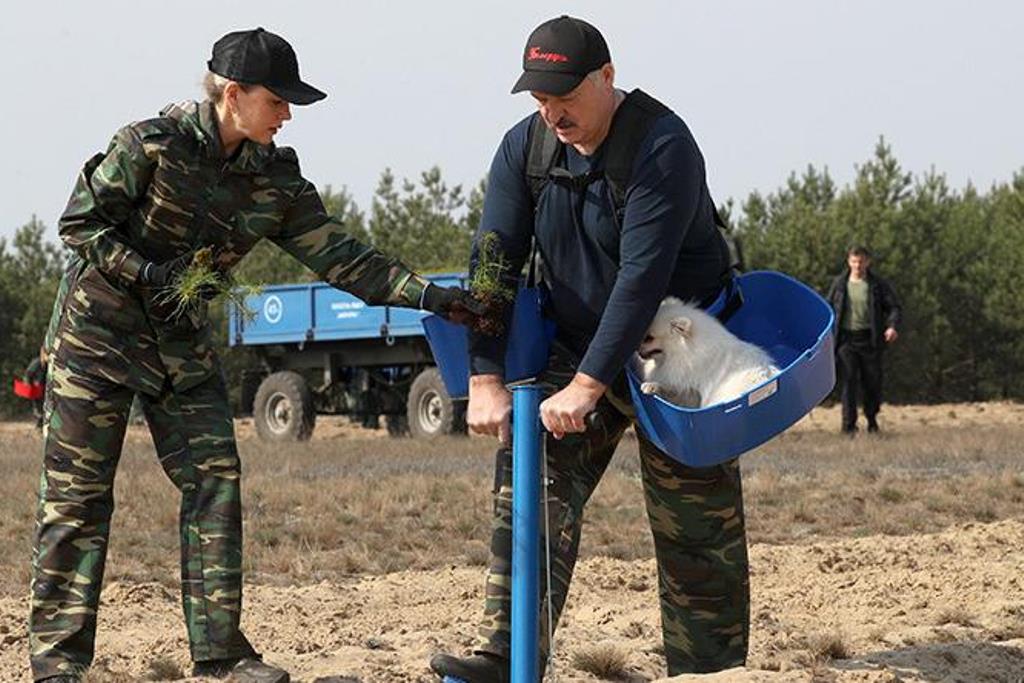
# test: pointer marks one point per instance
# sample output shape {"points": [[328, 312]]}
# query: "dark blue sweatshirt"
{"points": [[606, 283]]}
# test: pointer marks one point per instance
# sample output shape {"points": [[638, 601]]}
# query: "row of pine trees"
{"points": [[954, 255]]}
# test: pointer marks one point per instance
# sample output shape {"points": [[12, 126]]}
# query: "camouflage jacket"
{"points": [[163, 188]]}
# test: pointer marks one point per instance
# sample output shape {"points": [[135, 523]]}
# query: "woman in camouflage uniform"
{"points": [[201, 175]]}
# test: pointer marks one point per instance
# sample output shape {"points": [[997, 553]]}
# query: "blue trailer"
{"points": [[324, 351]]}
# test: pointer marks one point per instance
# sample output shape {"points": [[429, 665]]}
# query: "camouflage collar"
{"points": [[250, 158], [200, 119], [207, 115]]}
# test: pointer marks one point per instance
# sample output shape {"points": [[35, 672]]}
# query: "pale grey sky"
{"points": [[766, 87]]}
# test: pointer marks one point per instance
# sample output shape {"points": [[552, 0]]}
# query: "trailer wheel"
{"points": [[431, 410], [284, 409]]}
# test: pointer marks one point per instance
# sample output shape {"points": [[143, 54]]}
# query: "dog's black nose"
{"points": [[649, 354]]}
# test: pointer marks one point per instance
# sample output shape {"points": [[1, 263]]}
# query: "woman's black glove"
{"points": [[164, 274], [452, 303]]}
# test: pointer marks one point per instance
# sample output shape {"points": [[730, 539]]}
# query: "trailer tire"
{"points": [[283, 409], [431, 411]]}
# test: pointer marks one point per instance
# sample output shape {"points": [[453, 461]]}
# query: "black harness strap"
{"points": [[544, 150], [630, 126]]}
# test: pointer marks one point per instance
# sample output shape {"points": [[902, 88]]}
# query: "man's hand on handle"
{"points": [[890, 335], [566, 411], [490, 407]]}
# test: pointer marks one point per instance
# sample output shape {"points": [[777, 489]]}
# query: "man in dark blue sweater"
{"points": [[606, 268]]}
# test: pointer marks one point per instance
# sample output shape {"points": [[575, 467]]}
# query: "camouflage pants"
{"points": [[85, 424], [696, 516]]}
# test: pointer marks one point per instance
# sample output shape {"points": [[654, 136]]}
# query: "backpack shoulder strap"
{"points": [[629, 128], [543, 150], [631, 124]]}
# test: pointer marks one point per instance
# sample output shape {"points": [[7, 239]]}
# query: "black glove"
{"points": [[452, 303], [164, 274]]}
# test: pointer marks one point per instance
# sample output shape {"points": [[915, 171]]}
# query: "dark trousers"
{"points": [[859, 364]]}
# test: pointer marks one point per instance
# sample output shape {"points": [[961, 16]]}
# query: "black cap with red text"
{"points": [[259, 57], [559, 54]]}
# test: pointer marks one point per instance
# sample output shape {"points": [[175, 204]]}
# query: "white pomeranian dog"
{"points": [[690, 359]]}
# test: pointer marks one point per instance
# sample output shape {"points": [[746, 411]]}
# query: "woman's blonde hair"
{"points": [[214, 84]]}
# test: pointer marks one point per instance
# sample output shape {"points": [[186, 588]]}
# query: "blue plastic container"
{"points": [[525, 357], [791, 322]]}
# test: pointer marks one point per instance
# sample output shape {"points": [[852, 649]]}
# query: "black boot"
{"points": [[872, 425], [481, 668], [244, 670]]}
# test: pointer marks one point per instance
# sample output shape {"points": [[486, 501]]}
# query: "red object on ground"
{"points": [[32, 392]]}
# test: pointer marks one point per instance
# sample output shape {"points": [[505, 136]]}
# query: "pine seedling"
{"points": [[201, 279], [489, 283]]}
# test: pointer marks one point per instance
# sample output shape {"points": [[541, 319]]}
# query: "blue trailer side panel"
{"points": [[282, 315], [299, 313], [339, 315]]}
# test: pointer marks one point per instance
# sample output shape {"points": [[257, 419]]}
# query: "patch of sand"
{"points": [[940, 607]]}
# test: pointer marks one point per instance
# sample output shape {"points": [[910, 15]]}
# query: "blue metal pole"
{"points": [[526, 450]]}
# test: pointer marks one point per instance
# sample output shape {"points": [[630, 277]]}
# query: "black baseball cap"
{"points": [[559, 54], [259, 57]]}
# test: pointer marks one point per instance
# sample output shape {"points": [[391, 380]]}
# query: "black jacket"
{"points": [[883, 309]]}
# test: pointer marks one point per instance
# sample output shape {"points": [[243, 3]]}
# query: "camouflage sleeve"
{"points": [[105, 192], [320, 242]]}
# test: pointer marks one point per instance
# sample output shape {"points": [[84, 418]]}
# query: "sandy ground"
{"points": [[942, 607]]}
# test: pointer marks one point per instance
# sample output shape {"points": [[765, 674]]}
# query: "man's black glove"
{"points": [[163, 274], [452, 303]]}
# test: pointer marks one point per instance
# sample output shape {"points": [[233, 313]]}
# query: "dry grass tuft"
{"points": [[954, 614], [828, 645], [164, 669], [100, 672], [608, 660]]}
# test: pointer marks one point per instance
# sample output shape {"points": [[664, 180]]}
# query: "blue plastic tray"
{"points": [[791, 322], [780, 314], [525, 357]]}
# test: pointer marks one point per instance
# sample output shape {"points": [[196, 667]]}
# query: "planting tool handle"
{"points": [[526, 454]]}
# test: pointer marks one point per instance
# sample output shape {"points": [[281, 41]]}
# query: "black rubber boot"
{"points": [[246, 670], [482, 668]]}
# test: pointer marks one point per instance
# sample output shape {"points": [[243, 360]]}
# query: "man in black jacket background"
{"points": [[867, 314]]}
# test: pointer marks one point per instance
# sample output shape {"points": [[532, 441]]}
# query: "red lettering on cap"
{"points": [[535, 54]]}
